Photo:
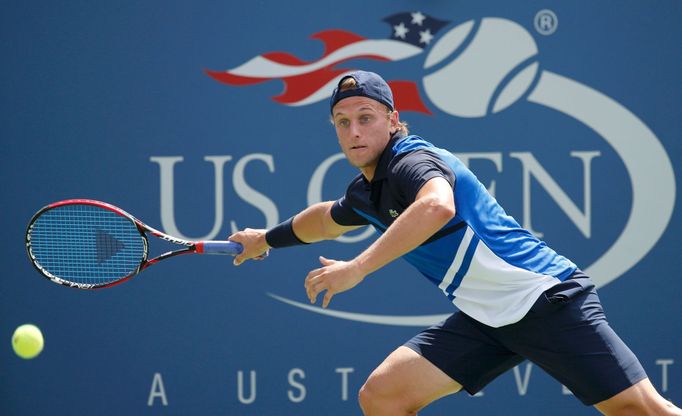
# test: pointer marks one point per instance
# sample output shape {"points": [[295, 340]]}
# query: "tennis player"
{"points": [[517, 298]]}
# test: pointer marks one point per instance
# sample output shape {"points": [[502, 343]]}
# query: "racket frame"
{"points": [[189, 247]]}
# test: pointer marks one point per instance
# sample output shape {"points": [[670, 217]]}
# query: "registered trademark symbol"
{"points": [[546, 22]]}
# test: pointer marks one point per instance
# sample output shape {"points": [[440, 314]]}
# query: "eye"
{"points": [[365, 118], [344, 122]]}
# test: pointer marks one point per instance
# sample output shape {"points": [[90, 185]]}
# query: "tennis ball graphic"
{"points": [[496, 65]]}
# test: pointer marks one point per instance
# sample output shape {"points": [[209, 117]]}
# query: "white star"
{"points": [[418, 18], [425, 36], [400, 30]]}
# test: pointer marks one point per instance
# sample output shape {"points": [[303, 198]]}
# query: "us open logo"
{"points": [[475, 69]]}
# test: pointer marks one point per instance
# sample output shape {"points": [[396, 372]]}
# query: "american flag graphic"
{"points": [[308, 82]]}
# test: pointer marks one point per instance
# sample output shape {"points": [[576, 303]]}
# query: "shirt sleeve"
{"points": [[343, 214], [412, 171]]}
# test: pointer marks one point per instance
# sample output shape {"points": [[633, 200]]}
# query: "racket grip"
{"points": [[218, 247]]}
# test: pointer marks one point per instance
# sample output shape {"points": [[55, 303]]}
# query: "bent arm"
{"points": [[433, 207]]}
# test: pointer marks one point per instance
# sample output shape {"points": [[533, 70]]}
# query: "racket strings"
{"points": [[86, 244]]}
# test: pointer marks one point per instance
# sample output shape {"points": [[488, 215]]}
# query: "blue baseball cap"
{"points": [[369, 85]]}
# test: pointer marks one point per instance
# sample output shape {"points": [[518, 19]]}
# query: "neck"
{"points": [[368, 172]]}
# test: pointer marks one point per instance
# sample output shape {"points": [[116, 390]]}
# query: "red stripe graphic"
{"points": [[306, 82]]}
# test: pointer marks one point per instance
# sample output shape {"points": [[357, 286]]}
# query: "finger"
{"points": [[327, 298], [312, 294], [312, 290], [326, 261], [317, 288], [242, 257], [307, 284], [313, 274], [262, 256], [308, 292], [314, 278], [236, 237]]}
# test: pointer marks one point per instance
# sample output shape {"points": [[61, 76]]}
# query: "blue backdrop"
{"points": [[204, 118]]}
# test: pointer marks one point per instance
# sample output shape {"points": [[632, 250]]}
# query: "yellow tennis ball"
{"points": [[27, 341]]}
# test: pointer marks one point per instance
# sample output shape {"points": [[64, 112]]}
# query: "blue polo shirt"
{"points": [[482, 260]]}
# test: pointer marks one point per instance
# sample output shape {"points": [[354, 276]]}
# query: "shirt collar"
{"points": [[385, 158]]}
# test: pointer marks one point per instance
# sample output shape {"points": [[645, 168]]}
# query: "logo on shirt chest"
{"points": [[393, 213]]}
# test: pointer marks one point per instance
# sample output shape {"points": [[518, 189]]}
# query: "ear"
{"points": [[394, 119]]}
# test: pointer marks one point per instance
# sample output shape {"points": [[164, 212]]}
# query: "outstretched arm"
{"points": [[433, 207], [313, 224]]}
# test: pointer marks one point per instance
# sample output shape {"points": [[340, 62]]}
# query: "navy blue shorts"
{"points": [[565, 333]]}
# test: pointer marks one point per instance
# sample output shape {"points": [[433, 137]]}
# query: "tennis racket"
{"points": [[90, 244]]}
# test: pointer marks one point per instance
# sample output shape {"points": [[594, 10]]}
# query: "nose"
{"points": [[354, 130]]}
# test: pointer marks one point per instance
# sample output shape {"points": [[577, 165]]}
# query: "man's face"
{"points": [[363, 127]]}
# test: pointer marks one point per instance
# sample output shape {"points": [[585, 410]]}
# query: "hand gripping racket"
{"points": [[89, 244]]}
